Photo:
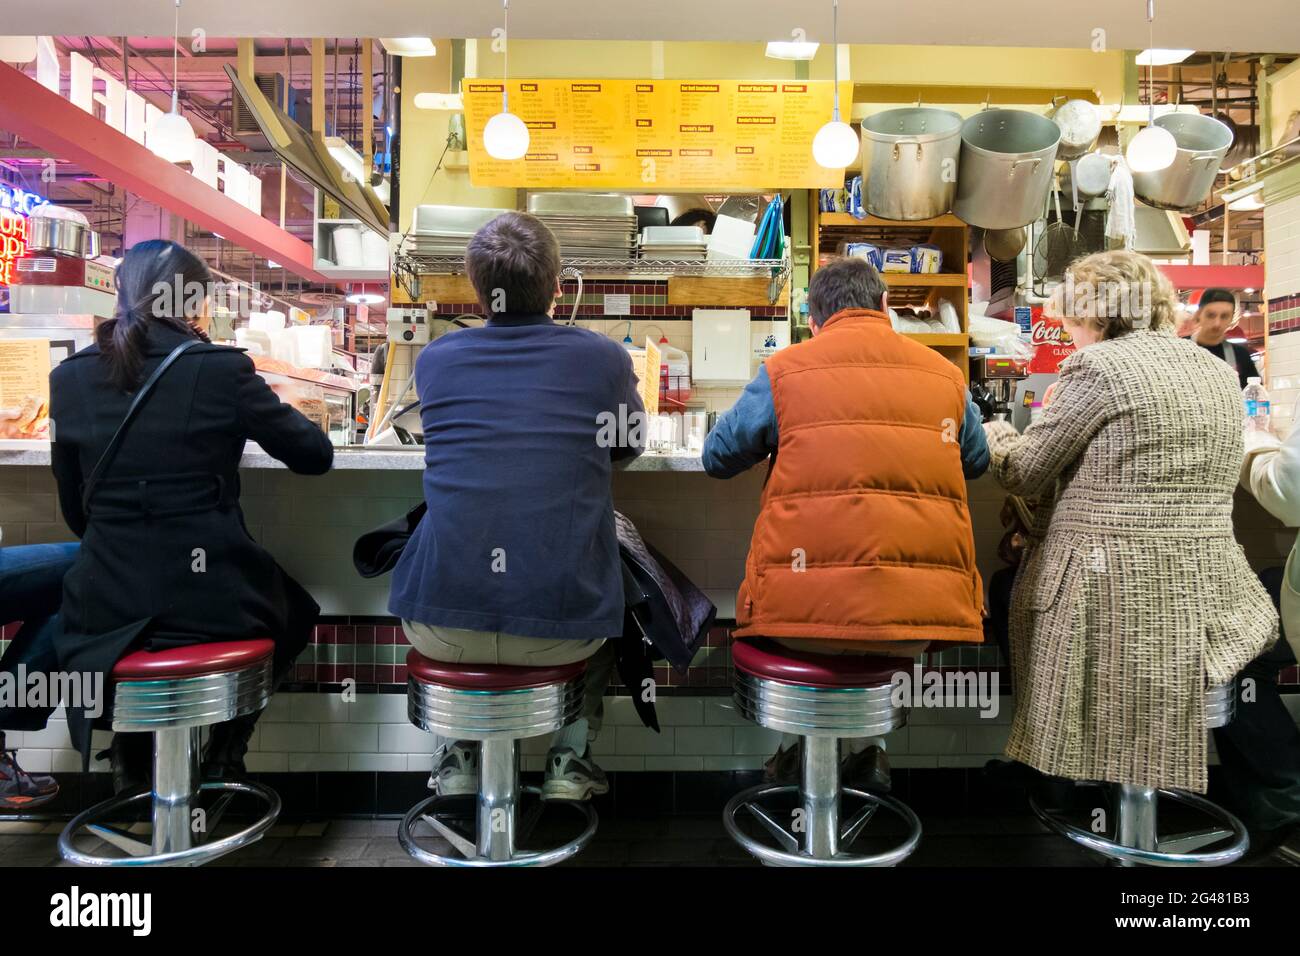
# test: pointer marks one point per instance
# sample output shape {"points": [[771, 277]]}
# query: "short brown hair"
{"points": [[1115, 292], [844, 283], [514, 264]]}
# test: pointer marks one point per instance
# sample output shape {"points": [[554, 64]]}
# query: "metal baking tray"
{"points": [[453, 220], [580, 204]]}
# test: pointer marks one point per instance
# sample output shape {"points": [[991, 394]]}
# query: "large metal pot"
{"points": [[62, 237], [1006, 168], [911, 158], [1186, 183]]}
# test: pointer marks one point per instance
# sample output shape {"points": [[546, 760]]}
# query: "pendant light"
{"points": [[505, 136], [170, 135], [1154, 147], [836, 145]]}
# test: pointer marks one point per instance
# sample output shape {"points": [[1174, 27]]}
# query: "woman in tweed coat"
{"points": [[1137, 596]]}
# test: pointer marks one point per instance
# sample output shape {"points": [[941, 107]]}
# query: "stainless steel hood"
{"points": [[306, 152]]}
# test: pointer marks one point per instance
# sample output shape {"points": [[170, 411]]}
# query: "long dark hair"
{"points": [[155, 280]]}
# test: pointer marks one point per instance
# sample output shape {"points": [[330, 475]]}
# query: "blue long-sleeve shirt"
{"points": [[747, 433]]}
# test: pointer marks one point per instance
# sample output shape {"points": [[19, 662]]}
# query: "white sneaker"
{"points": [[455, 769], [570, 777]]}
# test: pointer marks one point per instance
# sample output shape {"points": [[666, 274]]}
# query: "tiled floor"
{"points": [[690, 840]]}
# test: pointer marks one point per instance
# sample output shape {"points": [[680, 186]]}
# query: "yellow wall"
{"points": [[1284, 100]]}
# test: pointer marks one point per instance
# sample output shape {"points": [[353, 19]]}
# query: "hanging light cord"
{"points": [[835, 52], [505, 52], [176, 42], [1151, 60]]}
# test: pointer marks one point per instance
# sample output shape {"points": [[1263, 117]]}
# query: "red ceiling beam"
{"points": [[1215, 277], [40, 115]]}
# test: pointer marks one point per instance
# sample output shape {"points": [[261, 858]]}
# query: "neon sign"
{"points": [[13, 241], [20, 200]]}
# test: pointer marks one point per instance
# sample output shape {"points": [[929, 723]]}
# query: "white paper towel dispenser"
{"points": [[720, 346]]}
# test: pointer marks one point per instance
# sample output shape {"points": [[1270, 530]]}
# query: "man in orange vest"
{"points": [[863, 543]]}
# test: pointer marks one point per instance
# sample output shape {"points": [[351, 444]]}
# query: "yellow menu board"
{"points": [[25, 388], [715, 135]]}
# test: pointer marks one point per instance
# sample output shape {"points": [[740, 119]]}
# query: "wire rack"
{"points": [[409, 268]]}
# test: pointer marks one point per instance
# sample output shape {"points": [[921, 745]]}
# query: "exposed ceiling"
{"points": [[1190, 24]]}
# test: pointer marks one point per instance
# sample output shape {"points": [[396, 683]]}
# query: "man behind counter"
{"points": [[1216, 314]]}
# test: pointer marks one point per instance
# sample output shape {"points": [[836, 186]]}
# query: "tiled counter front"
{"points": [[346, 707]]}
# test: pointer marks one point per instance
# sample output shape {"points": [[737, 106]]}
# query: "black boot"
{"points": [[131, 756], [227, 745]]}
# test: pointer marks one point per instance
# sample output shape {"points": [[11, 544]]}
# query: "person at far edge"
{"points": [[1137, 596], [863, 544], [1216, 313], [516, 561]]}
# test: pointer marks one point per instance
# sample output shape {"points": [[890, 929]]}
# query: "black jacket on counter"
{"points": [[166, 559]]}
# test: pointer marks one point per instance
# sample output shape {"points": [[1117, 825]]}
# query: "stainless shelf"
{"points": [[410, 267]]}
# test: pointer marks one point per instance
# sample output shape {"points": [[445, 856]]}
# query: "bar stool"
{"points": [[1134, 840], [497, 705], [173, 694], [822, 698]]}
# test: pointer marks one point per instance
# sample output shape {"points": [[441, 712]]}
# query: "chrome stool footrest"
{"points": [[99, 820], [468, 845], [1134, 839], [845, 834]]}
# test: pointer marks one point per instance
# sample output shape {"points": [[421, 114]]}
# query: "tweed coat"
{"points": [[1137, 596]]}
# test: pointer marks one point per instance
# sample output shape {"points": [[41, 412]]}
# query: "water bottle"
{"points": [[1257, 405]]}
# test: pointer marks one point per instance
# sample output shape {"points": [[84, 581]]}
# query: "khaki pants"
{"points": [[454, 645]]}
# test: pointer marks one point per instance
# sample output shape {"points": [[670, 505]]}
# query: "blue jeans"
{"points": [[31, 589]]}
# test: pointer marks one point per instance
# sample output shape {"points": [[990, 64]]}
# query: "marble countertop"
{"points": [[29, 453]]}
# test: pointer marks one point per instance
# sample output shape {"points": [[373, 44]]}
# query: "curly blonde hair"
{"points": [[1116, 292]]}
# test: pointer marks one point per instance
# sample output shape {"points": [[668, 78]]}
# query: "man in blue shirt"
{"points": [[516, 561]]}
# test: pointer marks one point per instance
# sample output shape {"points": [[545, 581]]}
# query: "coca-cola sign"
{"points": [[1051, 344]]}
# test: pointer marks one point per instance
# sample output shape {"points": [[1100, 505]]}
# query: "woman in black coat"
{"points": [[166, 559]]}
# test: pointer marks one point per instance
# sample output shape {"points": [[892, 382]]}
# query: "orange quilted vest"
{"points": [[864, 533]]}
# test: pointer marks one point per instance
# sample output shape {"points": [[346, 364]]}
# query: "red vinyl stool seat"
{"points": [[768, 660], [192, 661], [488, 676]]}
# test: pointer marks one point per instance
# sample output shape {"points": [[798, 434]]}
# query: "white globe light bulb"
{"points": [[836, 145], [17, 49], [505, 137], [171, 137], [1152, 149]]}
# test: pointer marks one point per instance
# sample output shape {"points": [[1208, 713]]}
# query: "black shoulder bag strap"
{"points": [[88, 488]]}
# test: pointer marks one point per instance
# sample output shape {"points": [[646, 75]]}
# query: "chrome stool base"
{"points": [[790, 853], [1135, 840], [497, 714], [175, 710], [467, 844]]}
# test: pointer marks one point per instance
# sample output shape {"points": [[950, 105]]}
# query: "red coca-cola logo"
{"points": [[1045, 331], [1051, 344]]}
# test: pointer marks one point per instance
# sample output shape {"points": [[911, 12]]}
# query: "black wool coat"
{"points": [[166, 559]]}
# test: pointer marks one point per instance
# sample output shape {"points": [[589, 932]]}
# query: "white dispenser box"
{"points": [[720, 346]]}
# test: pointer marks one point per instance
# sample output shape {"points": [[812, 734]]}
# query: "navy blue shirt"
{"points": [[522, 419]]}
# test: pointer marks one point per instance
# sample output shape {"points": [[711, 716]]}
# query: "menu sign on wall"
{"points": [[728, 135]]}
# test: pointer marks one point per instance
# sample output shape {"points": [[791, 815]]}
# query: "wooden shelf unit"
{"points": [[947, 232]]}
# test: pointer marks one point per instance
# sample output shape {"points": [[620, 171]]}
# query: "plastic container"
{"points": [[347, 247], [1258, 408]]}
